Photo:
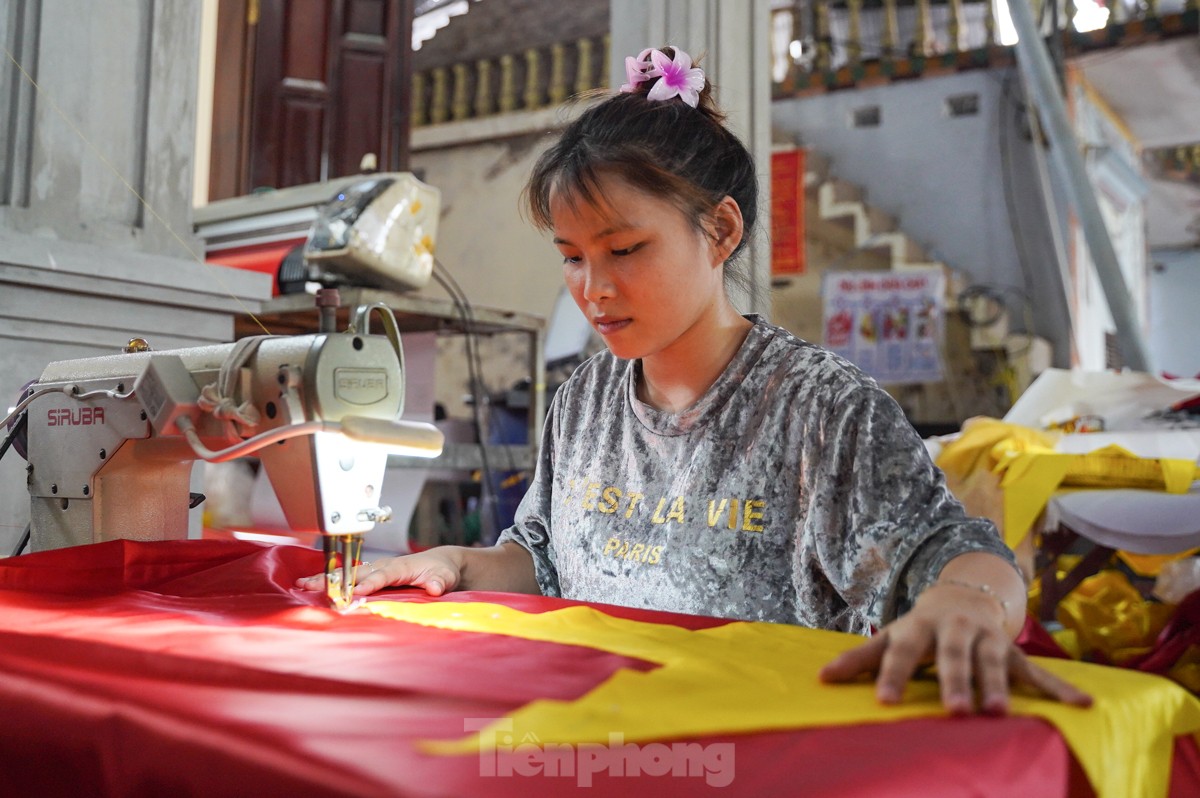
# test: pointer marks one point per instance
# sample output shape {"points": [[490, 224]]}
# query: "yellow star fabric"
{"points": [[754, 677]]}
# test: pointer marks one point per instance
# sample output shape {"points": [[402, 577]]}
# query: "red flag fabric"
{"points": [[195, 668]]}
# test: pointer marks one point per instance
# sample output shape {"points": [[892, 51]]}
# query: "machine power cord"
{"points": [[17, 429], [22, 543]]}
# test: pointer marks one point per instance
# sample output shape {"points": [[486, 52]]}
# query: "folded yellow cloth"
{"points": [[1030, 478], [976, 445], [1032, 470]]}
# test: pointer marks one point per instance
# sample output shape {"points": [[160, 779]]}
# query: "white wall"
{"points": [[86, 263], [496, 255], [113, 109], [1174, 321]]}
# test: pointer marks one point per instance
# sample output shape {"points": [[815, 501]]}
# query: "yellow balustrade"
{"points": [[824, 57], [891, 31], [484, 105], [533, 78], [922, 44], [439, 106], [956, 28], [605, 61], [583, 73], [461, 106], [508, 84], [854, 46], [558, 74], [419, 113]]}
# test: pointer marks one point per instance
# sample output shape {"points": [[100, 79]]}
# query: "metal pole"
{"points": [[1034, 63]]}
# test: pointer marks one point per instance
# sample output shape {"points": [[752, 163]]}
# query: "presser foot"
{"points": [[342, 555]]}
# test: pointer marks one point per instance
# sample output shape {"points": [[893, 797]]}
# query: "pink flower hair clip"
{"points": [[677, 77]]}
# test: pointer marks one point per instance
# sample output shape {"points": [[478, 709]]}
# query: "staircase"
{"points": [[844, 232], [843, 204]]}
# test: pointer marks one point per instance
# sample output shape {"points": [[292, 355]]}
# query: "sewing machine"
{"points": [[112, 440]]}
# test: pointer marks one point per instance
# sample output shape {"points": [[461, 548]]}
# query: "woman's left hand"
{"points": [[961, 631]]}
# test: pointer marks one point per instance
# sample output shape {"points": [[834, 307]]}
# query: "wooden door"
{"points": [[327, 82], [368, 107], [229, 164]]}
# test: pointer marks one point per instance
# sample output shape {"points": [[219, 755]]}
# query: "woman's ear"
{"points": [[727, 228]]}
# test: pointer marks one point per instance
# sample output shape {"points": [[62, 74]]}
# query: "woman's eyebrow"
{"points": [[602, 234]]}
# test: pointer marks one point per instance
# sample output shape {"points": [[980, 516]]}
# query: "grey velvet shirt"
{"points": [[793, 491]]}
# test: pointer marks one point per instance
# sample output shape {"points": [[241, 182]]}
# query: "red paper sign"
{"points": [[787, 212]]}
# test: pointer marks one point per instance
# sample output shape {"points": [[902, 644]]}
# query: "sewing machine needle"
{"points": [[342, 554]]}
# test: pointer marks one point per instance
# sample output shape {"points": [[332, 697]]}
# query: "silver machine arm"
{"points": [[112, 440]]}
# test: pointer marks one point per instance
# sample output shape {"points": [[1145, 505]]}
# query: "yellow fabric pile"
{"points": [[1107, 616], [1030, 470], [1106, 619]]}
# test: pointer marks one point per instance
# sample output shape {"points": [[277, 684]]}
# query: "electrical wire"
{"points": [[107, 393], [1056, 236], [18, 428], [1007, 377], [480, 392], [23, 542], [24, 403], [489, 406], [352, 427], [1025, 111], [475, 377], [250, 445], [996, 293]]}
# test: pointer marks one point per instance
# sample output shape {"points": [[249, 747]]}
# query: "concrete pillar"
{"points": [[731, 39], [112, 119], [97, 126]]}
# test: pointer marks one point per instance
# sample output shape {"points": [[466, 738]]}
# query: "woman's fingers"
{"points": [[315, 583], [976, 665], [992, 656], [893, 655], [908, 648], [369, 577], [858, 661], [956, 663], [417, 571], [433, 572], [372, 577], [1025, 672]]}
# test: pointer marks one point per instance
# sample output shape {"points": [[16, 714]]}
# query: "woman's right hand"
{"points": [[437, 570]]}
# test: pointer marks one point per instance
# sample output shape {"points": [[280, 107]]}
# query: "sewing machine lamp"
{"points": [[378, 232]]}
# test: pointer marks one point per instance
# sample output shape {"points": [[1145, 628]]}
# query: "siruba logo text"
{"points": [[81, 417]]}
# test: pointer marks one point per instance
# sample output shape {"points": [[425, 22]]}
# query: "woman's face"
{"points": [[640, 271]]}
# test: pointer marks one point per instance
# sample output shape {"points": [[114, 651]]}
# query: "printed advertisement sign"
{"points": [[889, 324]]}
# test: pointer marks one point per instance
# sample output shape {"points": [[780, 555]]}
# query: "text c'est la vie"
{"points": [[737, 514]]}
